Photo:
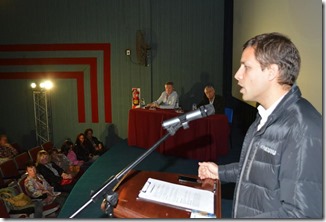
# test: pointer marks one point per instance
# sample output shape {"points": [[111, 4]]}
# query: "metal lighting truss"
{"points": [[42, 116]]}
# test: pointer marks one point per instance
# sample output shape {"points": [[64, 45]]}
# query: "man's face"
{"points": [[251, 78], [168, 89], [209, 92]]}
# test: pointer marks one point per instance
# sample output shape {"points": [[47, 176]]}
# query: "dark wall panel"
{"points": [[185, 36]]}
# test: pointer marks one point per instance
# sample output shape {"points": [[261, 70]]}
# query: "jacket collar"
{"points": [[293, 95]]}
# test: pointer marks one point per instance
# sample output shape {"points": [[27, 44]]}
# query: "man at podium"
{"points": [[279, 174]]}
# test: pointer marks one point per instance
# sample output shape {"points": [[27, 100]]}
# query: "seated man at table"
{"points": [[211, 98], [167, 100]]}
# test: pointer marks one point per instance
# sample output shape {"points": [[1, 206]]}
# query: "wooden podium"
{"points": [[129, 206]]}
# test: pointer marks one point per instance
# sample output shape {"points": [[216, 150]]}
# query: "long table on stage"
{"points": [[129, 206], [204, 140]]}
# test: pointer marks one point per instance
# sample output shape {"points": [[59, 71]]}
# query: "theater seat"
{"points": [[229, 113], [21, 160], [4, 212], [47, 209], [2, 183], [47, 146], [20, 212], [33, 152], [9, 171], [17, 147]]}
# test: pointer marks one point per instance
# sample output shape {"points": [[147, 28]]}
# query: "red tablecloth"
{"points": [[204, 140]]}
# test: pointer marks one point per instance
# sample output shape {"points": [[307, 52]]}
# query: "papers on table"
{"points": [[178, 195]]}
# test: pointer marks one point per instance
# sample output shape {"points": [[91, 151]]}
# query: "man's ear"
{"points": [[273, 71]]}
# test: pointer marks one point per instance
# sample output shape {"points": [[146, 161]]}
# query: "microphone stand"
{"points": [[111, 197]]}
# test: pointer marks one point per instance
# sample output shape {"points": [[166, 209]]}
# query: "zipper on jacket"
{"points": [[250, 164], [240, 179]]}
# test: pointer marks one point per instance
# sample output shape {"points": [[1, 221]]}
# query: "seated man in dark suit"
{"points": [[211, 98]]}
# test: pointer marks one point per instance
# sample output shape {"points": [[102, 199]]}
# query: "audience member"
{"points": [[6, 150], [60, 159], [67, 150], [84, 149], [211, 98], [280, 172], [38, 188], [55, 175], [98, 147], [167, 100]]}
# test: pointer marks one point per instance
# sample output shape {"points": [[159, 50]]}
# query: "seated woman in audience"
{"points": [[55, 175], [98, 147], [60, 159], [84, 149], [67, 150], [38, 188], [6, 150]]}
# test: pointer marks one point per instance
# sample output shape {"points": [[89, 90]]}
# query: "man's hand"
{"points": [[207, 170]]}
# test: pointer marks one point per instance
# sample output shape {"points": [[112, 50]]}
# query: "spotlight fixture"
{"points": [[48, 84], [33, 85], [45, 85]]}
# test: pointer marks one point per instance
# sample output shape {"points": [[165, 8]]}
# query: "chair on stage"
{"points": [[229, 113]]}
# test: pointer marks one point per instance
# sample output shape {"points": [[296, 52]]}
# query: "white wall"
{"points": [[300, 20]]}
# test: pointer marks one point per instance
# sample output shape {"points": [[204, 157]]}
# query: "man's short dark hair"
{"points": [[275, 48]]}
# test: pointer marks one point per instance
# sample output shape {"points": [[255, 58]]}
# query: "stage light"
{"points": [[33, 85], [42, 111], [45, 85], [48, 84]]}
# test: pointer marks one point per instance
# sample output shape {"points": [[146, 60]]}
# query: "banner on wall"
{"points": [[135, 98]]}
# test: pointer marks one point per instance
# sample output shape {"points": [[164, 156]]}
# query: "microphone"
{"points": [[175, 123]]}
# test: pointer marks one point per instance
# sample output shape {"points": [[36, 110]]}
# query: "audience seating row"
{"points": [[23, 212], [12, 169], [47, 209], [28, 210], [13, 174]]}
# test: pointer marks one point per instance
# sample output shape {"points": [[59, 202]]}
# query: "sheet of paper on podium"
{"points": [[177, 195]]}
